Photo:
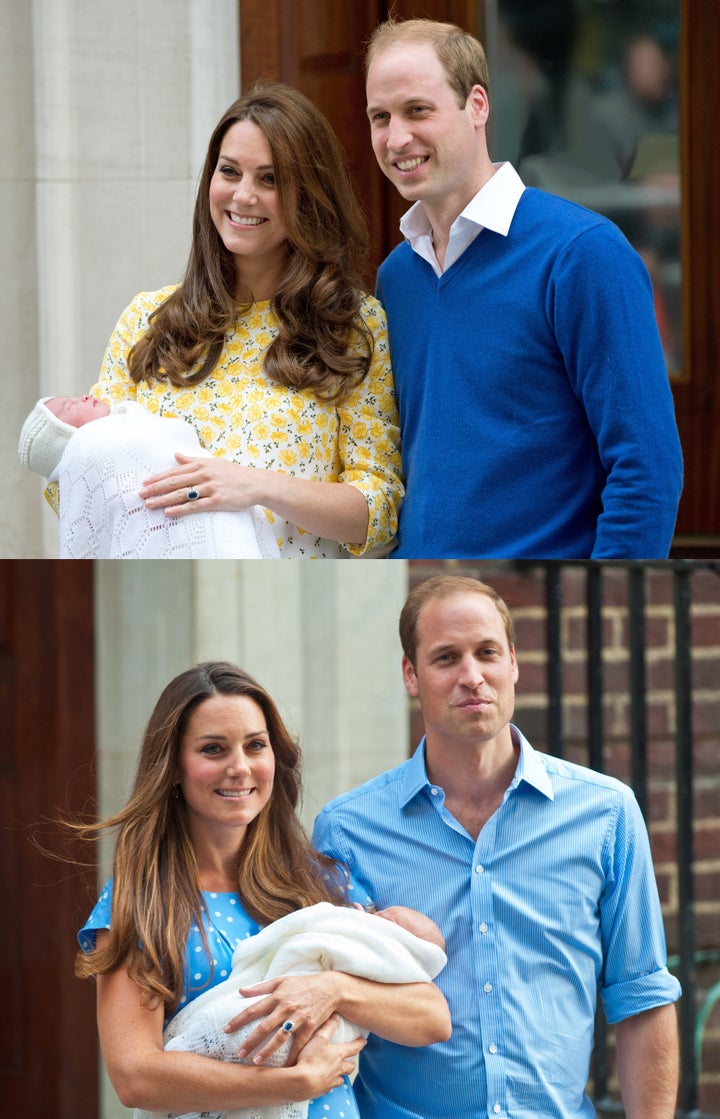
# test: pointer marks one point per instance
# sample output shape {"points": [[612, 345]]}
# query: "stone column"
{"points": [[107, 111]]}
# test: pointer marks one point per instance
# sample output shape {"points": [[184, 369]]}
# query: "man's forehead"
{"points": [[416, 63], [462, 610]]}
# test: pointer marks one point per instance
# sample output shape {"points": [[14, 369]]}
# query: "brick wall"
{"points": [[523, 586]]}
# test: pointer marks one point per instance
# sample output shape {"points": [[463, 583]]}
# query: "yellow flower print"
{"points": [[204, 394], [288, 457], [262, 431]]}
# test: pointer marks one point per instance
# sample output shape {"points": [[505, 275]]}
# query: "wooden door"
{"points": [[48, 1043], [697, 395]]}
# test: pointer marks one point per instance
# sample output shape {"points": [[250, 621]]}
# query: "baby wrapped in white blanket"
{"points": [[101, 456], [322, 937]]}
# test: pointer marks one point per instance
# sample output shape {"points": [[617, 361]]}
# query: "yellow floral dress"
{"points": [[240, 414]]}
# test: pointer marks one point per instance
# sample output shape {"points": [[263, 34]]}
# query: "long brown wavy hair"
{"points": [[156, 892], [323, 343]]}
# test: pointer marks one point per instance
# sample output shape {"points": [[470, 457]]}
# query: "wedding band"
{"points": [[192, 494], [288, 1027]]}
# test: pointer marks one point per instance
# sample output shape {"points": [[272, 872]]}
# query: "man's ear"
{"points": [[409, 677], [480, 106]]}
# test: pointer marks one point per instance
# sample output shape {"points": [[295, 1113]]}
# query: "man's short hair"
{"points": [[441, 587], [461, 55]]}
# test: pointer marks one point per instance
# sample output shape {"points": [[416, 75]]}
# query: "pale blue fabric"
{"points": [[556, 898]]}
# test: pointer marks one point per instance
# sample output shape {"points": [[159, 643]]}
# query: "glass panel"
{"points": [[584, 102]]}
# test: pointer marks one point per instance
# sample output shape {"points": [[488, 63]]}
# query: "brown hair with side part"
{"points": [[442, 587], [461, 55]]}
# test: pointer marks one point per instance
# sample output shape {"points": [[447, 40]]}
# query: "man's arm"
{"points": [[648, 1063], [608, 335]]}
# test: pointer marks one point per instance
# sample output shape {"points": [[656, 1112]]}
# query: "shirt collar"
{"points": [[493, 207], [530, 768]]}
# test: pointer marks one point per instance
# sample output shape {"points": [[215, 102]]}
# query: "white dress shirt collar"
{"points": [[493, 207]]}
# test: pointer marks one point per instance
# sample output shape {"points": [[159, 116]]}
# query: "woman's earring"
{"points": [[176, 790]]}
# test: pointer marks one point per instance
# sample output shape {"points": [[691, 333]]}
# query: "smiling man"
{"points": [[536, 413], [538, 873]]}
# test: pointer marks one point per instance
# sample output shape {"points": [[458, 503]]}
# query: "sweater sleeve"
{"points": [[601, 301]]}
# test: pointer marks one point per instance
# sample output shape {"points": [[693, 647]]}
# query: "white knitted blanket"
{"points": [[102, 517], [322, 937]]}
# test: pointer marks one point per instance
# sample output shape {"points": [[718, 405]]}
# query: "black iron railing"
{"points": [[693, 1017]]}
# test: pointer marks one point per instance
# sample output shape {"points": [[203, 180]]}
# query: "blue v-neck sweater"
{"points": [[537, 418]]}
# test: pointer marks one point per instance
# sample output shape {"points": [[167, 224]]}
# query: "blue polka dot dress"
{"points": [[226, 924]]}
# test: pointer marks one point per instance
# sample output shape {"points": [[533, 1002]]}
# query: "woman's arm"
{"points": [[145, 1076], [412, 1014], [333, 510]]}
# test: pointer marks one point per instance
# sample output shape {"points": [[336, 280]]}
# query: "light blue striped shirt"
{"points": [[556, 899]]}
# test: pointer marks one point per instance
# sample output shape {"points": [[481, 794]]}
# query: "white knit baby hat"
{"points": [[43, 439]]}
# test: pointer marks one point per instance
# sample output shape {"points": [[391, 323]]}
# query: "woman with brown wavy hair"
{"points": [[269, 346], [208, 850]]}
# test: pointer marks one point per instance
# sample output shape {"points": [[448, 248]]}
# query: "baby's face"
{"points": [[77, 410]]}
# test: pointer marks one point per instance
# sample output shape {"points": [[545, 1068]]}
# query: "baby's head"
{"points": [[413, 922], [77, 410], [50, 426]]}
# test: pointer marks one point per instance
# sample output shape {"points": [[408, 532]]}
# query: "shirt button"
{"points": [[479, 869], [493, 1048], [497, 1109], [487, 988], [434, 792], [483, 928]]}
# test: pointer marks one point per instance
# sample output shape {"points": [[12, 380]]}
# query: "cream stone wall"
{"points": [[105, 114]]}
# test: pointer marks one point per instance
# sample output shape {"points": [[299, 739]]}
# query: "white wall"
{"points": [[105, 114]]}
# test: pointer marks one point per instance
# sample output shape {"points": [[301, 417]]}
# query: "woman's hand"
{"points": [[332, 510], [324, 1062], [219, 484], [307, 1001]]}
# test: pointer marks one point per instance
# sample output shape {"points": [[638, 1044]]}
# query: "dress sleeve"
{"points": [[369, 438], [98, 919]]}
